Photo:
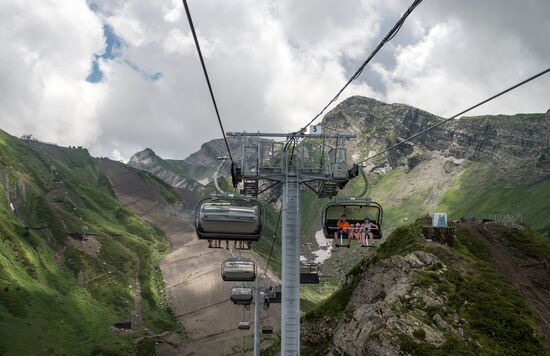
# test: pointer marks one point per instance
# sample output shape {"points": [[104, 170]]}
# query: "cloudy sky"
{"points": [[118, 76]]}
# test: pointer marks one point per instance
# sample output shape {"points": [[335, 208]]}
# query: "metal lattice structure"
{"points": [[316, 161]]}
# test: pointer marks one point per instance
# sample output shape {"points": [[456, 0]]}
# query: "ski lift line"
{"points": [[206, 76], [273, 242], [389, 36], [457, 115]]}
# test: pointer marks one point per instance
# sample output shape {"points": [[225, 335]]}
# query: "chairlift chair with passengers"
{"points": [[356, 209]]}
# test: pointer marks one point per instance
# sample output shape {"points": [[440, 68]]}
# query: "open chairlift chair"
{"points": [[356, 210], [267, 329], [309, 272], [274, 294]]}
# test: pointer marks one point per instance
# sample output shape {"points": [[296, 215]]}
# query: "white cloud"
{"points": [[45, 58], [273, 65], [471, 51]]}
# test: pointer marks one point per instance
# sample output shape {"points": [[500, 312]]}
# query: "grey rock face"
{"points": [[148, 161], [377, 310], [516, 143]]}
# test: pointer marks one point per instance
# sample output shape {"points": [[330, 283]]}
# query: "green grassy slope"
{"points": [[55, 299], [478, 192]]}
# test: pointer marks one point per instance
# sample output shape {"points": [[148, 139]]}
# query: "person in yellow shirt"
{"points": [[343, 230]]}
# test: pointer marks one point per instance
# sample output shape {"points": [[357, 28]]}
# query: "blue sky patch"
{"points": [[148, 76], [113, 49]]}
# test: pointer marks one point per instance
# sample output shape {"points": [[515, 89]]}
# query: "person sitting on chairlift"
{"points": [[366, 227], [355, 232], [343, 230]]}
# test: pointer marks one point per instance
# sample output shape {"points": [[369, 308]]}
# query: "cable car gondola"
{"points": [[309, 273], [242, 295], [239, 270], [244, 325], [229, 217]]}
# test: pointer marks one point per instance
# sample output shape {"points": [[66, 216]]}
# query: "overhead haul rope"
{"points": [[389, 36], [273, 243], [457, 115], [206, 76]]}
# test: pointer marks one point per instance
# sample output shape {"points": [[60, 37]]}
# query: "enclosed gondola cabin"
{"points": [[242, 295], [244, 325], [356, 211], [234, 218], [237, 269], [309, 273]]}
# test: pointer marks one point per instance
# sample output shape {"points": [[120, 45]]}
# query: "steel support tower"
{"points": [[292, 170], [290, 303], [257, 318]]}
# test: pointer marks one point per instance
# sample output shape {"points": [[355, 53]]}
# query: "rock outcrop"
{"points": [[148, 160], [487, 292], [372, 317]]}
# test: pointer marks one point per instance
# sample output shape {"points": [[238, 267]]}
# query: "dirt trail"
{"points": [[194, 288], [529, 275]]}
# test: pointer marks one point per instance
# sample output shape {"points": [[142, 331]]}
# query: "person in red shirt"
{"points": [[343, 230]]}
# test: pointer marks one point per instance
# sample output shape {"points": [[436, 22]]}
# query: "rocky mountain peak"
{"points": [[508, 141], [143, 157], [171, 173]]}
